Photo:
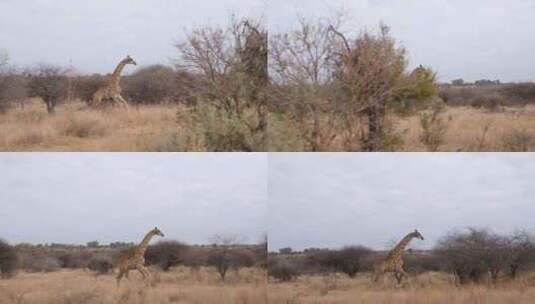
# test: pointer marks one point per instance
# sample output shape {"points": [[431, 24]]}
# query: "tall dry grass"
{"points": [[428, 288], [75, 127], [470, 129], [161, 128], [181, 285]]}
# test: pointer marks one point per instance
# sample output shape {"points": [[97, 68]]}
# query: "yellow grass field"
{"points": [[74, 127], [428, 288], [180, 285], [149, 128]]}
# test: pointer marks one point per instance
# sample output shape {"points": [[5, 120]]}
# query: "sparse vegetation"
{"points": [[8, 260], [178, 285], [282, 270], [323, 90], [49, 83], [61, 273], [466, 266], [470, 256], [100, 265]]}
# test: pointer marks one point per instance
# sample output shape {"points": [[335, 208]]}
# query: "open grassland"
{"points": [[427, 288], [75, 127], [180, 285], [470, 129]]}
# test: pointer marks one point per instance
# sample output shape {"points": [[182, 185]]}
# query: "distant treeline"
{"points": [[488, 96], [471, 256], [101, 259]]}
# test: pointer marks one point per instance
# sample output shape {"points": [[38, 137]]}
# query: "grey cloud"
{"points": [[75, 198], [460, 39], [95, 35], [332, 200]]}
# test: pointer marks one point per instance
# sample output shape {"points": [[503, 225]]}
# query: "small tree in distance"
{"points": [[50, 84], [225, 255]]}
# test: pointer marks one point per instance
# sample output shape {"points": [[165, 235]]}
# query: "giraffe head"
{"points": [[129, 60], [417, 235], [157, 231]]}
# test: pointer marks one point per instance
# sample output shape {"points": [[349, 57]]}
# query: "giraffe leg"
{"points": [[147, 273], [97, 99], [143, 270], [376, 276], [398, 277], [120, 100], [402, 274], [120, 276]]}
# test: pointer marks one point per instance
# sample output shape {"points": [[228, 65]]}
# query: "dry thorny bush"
{"points": [[338, 86], [232, 64]]}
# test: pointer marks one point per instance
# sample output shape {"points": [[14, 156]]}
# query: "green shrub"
{"points": [[213, 129], [433, 128]]}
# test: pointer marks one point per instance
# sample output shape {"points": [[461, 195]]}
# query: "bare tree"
{"points": [[302, 72], [520, 252], [50, 84], [225, 255], [3, 80], [370, 68], [231, 64], [472, 254]]}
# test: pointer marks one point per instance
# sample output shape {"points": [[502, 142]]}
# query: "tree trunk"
{"points": [[50, 107], [376, 116], [513, 271]]}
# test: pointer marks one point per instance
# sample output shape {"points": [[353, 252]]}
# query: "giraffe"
{"points": [[135, 259], [393, 262], [111, 88]]}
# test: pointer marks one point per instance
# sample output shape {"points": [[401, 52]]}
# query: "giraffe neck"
{"points": [[144, 243], [400, 247], [117, 72]]}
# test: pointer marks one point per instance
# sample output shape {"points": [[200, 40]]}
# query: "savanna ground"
{"points": [[75, 127], [179, 285], [426, 288]]}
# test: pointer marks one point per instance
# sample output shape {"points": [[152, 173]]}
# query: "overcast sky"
{"points": [[337, 199], [96, 34], [470, 39], [79, 197], [460, 39]]}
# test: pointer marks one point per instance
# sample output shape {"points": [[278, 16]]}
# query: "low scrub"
{"points": [[9, 260], [82, 126], [100, 265], [282, 270]]}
